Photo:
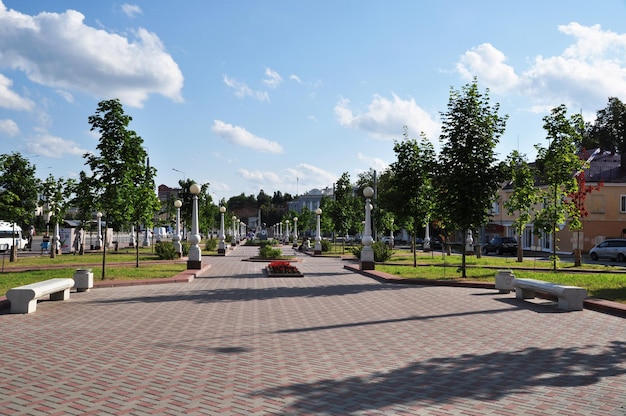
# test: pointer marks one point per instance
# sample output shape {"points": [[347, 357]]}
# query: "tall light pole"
{"points": [[180, 171], [286, 239], [233, 241], [295, 232], [367, 253], [177, 246], [194, 260], [99, 246], [221, 248], [317, 250]]}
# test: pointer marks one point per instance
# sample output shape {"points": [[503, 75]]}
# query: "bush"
{"points": [[325, 245], [165, 250], [210, 244], [266, 251], [382, 252]]}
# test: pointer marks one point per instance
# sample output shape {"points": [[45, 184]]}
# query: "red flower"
{"points": [[282, 267]]}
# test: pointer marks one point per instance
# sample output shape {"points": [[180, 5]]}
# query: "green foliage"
{"points": [[18, 189], [344, 210], [185, 248], [266, 251], [382, 252], [211, 244], [165, 250], [325, 245]]}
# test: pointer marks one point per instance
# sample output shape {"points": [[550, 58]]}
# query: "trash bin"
{"points": [[83, 280]]}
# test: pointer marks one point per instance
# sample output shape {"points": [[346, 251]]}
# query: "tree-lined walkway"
{"points": [[331, 343]]}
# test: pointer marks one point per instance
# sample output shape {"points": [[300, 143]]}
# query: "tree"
{"points": [[56, 195], [524, 197], [557, 165], [117, 166], [578, 198], [144, 202], [411, 195], [609, 130], [18, 192], [344, 210], [468, 174]]}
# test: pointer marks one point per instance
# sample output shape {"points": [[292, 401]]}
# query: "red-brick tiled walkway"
{"points": [[331, 343]]}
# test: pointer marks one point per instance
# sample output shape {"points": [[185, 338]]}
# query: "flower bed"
{"points": [[282, 269]]}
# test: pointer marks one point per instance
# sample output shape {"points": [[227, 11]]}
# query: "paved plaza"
{"points": [[235, 342]]}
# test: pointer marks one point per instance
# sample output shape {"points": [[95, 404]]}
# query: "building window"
{"points": [[622, 203], [495, 208]]}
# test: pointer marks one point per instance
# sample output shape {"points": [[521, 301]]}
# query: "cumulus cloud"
{"points": [[10, 99], [385, 118], [131, 10], [375, 163], [59, 50], [242, 137], [311, 175], [9, 128], [45, 144], [490, 64], [243, 90], [273, 79], [258, 176], [585, 74]]}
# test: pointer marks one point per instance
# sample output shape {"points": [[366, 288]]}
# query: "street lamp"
{"points": [[194, 260], [317, 250], [286, 231], [367, 253], [99, 246], [295, 232], [233, 241], [177, 246], [221, 248]]}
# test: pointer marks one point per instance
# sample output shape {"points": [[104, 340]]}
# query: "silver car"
{"points": [[614, 249]]}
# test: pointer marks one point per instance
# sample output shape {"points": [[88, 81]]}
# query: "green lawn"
{"points": [[605, 282]]}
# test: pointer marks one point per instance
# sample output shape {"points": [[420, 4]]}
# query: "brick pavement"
{"points": [[335, 342]]}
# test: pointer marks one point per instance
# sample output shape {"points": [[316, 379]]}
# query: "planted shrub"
{"points": [[165, 250], [268, 252], [382, 252], [325, 245], [210, 244]]}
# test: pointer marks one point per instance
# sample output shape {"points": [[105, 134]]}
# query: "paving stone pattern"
{"points": [[234, 342]]}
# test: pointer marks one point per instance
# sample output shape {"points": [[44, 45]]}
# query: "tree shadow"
{"points": [[487, 377], [245, 294]]}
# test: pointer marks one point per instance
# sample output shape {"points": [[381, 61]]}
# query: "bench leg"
{"points": [[62, 295], [524, 293], [570, 305], [24, 307]]}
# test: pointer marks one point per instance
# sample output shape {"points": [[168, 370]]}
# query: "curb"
{"points": [[598, 305]]}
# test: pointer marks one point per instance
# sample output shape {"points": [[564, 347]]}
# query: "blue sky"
{"points": [[288, 95]]}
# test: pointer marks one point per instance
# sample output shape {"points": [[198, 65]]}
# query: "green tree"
{"points": [[18, 192], [524, 197], [557, 165], [469, 174], [84, 203], [609, 130], [344, 209], [411, 189], [117, 166], [144, 202], [56, 195]]}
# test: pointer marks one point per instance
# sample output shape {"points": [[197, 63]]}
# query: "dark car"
{"points": [[500, 245]]}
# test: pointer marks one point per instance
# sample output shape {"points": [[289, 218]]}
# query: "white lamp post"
{"points": [[286, 231], [317, 250], [177, 246], [221, 248], [295, 232], [132, 241], [233, 241], [194, 260], [367, 253], [99, 246]]}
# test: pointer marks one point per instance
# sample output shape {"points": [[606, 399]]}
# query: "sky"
{"points": [[280, 95]]}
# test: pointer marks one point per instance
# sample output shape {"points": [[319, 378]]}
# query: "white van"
{"points": [[11, 234]]}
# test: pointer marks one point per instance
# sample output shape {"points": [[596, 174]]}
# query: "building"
{"points": [[311, 199]]}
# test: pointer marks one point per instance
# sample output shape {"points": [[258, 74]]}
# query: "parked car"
{"points": [[500, 245], [614, 249]]}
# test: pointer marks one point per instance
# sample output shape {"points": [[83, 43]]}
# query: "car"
{"points": [[500, 245], [613, 249]]}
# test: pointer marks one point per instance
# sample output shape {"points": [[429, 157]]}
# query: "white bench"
{"points": [[24, 298], [570, 297]]}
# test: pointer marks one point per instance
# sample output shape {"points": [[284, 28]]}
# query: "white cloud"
{"points": [[273, 79], [11, 100], [309, 175], [242, 137], [386, 118], [58, 50], [260, 177], [131, 10], [295, 78], [375, 163], [243, 90], [51, 146], [9, 128], [585, 74], [490, 64]]}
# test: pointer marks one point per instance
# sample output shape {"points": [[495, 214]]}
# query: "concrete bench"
{"points": [[24, 298], [570, 297]]}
